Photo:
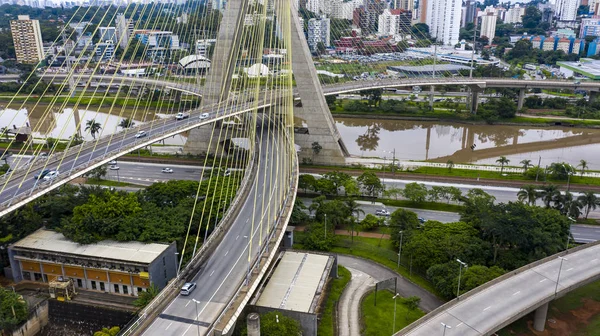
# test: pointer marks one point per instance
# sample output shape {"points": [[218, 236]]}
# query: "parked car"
{"points": [[167, 170], [51, 175], [141, 134], [42, 174], [204, 116], [187, 288], [382, 212]]}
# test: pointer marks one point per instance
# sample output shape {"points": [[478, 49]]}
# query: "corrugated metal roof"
{"points": [[51, 241]]}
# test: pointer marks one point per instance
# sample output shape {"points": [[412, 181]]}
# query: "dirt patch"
{"points": [[565, 324]]}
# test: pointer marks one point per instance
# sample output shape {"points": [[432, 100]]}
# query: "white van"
{"points": [[187, 288]]}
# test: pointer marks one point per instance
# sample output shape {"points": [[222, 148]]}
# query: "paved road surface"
{"points": [[148, 173], [218, 279], [585, 233], [485, 311], [349, 304]]}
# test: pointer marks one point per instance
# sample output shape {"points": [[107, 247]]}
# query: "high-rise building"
{"points": [[590, 27], [470, 12], [443, 19], [393, 22], [108, 34], [27, 38], [407, 5], [566, 10], [488, 23], [124, 30], [514, 14], [319, 31], [594, 6]]}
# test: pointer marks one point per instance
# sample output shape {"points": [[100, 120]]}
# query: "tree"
{"points": [[402, 220], [306, 182], [316, 147], [560, 170], [590, 201], [145, 297], [13, 309], [411, 303], [126, 123], [477, 275], [420, 31], [321, 48], [502, 161], [97, 173], [370, 222], [526, 164], [354, 208], [528, 193], [415, 192], [549, 194], [299, 216], [374, 96], [315, 237], [450, 164], [584, 165], [334, 212], [275, 323], [114, 331], [337, 178], [331, 100], [93, 127], [568, 205], [370, 183]]}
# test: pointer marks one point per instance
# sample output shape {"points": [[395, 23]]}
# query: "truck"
{"points": [[182, 115]]}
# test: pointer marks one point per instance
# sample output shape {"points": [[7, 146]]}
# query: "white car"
{"points": [[51, 175], [113, 167], [140, 134], [382, 212], [187, 288], [167, 170], [204, 116], [112, 163]]}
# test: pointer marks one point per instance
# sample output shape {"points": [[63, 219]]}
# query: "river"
{"points": [[443, 141]]}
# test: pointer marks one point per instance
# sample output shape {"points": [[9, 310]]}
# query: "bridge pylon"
{"points": [[313, 116]]}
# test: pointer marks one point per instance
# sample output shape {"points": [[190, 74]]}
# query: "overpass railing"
{"points": [[488, 284]]}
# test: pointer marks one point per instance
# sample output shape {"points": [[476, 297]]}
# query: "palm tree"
{"points": [[529, 193], [450, 164], [126, 123], [549, 194], [526, 164], [568, 205], [503, 161], [583, 164], [354, 208], [93, 126], [590, 201]]}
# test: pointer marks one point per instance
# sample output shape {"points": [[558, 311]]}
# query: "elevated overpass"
{"points": [[496, 304]]}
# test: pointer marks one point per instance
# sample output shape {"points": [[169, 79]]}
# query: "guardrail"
{"points": [[488, 284]]}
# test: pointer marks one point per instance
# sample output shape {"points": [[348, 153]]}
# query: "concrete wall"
{"points": [[71, 318], [37, 320], [166, 261]]}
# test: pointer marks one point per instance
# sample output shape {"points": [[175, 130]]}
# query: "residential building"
{"points": [[594, 7], [470, 12], [108, 34], [314, 6], [105, 50], [393, 22], [407, 5], [549, 44], [27, 39], [563, 44], [566, 10], [514, 14], [577, 46], [443, 19], [319, 31], [590, 27], [488, 23], [124, 30], [125, 268]]}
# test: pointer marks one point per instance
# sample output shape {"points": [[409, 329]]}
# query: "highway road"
{"points": [[485, 311], [218, 279], [148, 173]]}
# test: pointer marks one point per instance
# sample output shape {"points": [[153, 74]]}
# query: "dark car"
{"points": [[42, 174]]}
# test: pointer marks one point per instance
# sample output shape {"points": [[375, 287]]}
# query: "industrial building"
{"points": [[125, 268]]}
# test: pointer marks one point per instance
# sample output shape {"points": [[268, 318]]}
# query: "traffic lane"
{"points": [[405, 287], [371, 208], [213, 270], [585, 233]]}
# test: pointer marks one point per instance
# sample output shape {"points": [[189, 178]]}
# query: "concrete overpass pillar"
{"points": [[474, 99], [539, 321], [521, 99], [218, 81], [253, 322], [431, 96]]}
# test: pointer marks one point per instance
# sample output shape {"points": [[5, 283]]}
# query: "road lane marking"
{"points": [[569, 269], [458, 325], [515, 293], [187, 304], [226, 253], [211, 273], [488, 307], [236, 238], [169, 326], [595, 259], [543, 280]]}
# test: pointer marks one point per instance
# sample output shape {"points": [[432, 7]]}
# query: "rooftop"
{"points": [[55, 242], [296, 281], [428, 68], [586, 67]]}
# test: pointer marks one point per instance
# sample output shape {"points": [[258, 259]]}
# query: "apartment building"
{"points": [[27, 39]]}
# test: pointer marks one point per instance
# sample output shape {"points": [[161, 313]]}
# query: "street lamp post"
{"points": [[460, 266], [569, 173], [559, 269], [400, 249], [177, 260], [445, 327], [325, 226], [197, 324], [383, 180], [394, 325]]}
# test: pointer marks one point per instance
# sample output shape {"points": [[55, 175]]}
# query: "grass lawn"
{"points": [[568, 312], [423, 205], [109, 183], [326, 325], [379, 320], [379, 250]]}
